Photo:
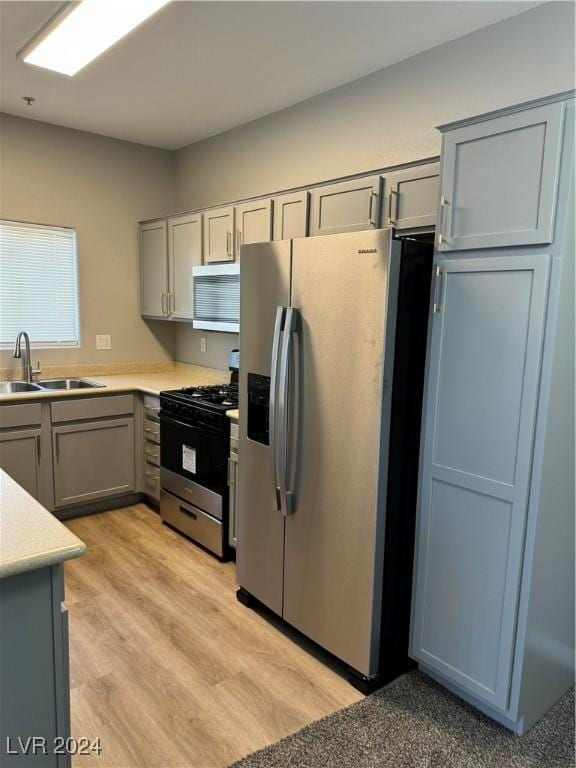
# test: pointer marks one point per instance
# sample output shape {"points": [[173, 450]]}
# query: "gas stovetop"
{"points": [[217, 397]]}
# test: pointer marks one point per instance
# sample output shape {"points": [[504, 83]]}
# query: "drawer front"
{"points": [[151, 407], [151, 481], [234, 437], [20, 415], [152, 431], [152, 453], [92, 408], [192, 521]]}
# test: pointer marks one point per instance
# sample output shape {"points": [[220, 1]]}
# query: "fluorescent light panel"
{"points": [[87, 31]]}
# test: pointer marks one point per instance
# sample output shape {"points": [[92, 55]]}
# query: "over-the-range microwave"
{"points": [[217, 297]]}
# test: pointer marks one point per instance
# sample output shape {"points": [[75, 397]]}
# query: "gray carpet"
{"points": [[414, 723]]}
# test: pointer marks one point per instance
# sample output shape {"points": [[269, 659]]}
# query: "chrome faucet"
{"points": [[27, 371]]}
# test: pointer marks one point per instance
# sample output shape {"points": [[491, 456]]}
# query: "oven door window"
{"points": [[197, 454]]}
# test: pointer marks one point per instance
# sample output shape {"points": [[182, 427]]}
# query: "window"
{"points": [[38, 285]]}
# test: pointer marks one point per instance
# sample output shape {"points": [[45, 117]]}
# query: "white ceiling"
{"points": [[196, 69]]}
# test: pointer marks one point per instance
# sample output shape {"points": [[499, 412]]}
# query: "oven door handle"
{"points": [[273, 415], [199, 427]]}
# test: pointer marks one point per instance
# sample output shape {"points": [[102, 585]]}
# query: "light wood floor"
{"points": [[166, 667]]}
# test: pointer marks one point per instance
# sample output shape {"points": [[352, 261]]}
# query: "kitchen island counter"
{"points": [[30, 536]]}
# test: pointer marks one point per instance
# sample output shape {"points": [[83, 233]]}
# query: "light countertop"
{"points": [[182, 375], [234, 414], [30, 536]]}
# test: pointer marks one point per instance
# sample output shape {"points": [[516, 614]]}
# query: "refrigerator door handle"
{"points": [[273, 415], [286, 490]]}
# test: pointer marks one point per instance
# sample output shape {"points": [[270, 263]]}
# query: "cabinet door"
{"points": [[291, 215], [346, 207], [20, 458], [219, 234], [499, 180], [480, 410], [253, 223], [184, 252], [153, 269], [412, 198], [93, 460]]}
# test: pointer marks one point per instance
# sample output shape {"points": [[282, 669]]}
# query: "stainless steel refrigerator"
{"points": [[317, 358]]}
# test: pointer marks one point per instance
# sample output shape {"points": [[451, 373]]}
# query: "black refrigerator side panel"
{"points": [[407, 394]]}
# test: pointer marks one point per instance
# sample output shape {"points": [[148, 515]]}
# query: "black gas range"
{"points": [[194, 454]]}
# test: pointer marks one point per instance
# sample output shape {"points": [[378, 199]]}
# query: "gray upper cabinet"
{"points": [[484, 368], [500, 179], [184, 252], [253, 223], [20, 457], [219, 234], [345, 207], [291, 215], [93, 460], [154, 269], [412, 198]]}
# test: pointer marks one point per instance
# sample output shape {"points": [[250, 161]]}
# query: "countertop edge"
{"points": [[41, 560]]}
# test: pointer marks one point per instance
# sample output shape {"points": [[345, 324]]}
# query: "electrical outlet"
{"points": [[103, 341], [203, 344]]}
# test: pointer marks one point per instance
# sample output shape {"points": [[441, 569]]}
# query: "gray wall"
{"points": [[102, 187], [218, 346], [386, 118]]}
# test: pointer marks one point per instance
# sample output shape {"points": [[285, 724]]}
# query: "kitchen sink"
{"points": [[7, 387], [68, 384]]}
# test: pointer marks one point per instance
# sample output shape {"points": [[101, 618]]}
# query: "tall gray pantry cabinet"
{"points": [[493, 597]]}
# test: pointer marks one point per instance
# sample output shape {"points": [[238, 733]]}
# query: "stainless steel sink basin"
{"points": [[7, 387], [68, 384]]}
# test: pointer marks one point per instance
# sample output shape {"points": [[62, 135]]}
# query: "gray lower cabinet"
{"points": [[291, 215], [412, 198], [21, 458], [151, 449], [34, 670], [482, 392], [93, 460], [500, 180], [347, 206], [154, 270]]}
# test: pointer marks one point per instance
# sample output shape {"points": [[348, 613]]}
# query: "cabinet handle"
{"points": [[38, 448], [238, 242], [371, 221], [392, 220], [151, 431], [437, 286], [57, 445], [188, 512], [229, 244], [172, 301], [441, 237], [162, 304]]}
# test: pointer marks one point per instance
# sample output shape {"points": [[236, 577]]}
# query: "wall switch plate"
{"points": [[103, 341], [203, 344]]}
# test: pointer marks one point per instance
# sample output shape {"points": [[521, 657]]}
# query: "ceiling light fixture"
{"points": [[81, 31]]}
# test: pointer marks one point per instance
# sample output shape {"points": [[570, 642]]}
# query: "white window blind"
{"points": [[38, 284]]}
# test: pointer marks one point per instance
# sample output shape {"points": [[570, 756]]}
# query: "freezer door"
{"points": [[344, 291], [264, 287]]}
